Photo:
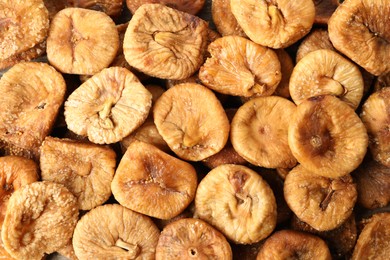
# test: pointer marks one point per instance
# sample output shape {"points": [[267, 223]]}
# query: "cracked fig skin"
{"points": [[238, 202]]}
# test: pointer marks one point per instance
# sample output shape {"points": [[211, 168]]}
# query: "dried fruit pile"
{"points": [[147, 134]]}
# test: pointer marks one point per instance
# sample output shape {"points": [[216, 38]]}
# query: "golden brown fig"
{"points": [[317, 39], [42, 220], [286, 67], [238, 202], [321, 202], [274, 23], [327, 137], [114, 232], [81, 41], [152, 182], [192, 239], [110, 7], [224, 20], [324, 72], [31, 94], [68, 252], [28, 55], [290, 244], [192, 121], [165, 43], [188, 6], [259, 132], [382, 81], [324, 10], [108, 106], [360, 30]]}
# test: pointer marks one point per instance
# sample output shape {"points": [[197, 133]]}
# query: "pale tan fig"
{"points": [[327, 137], [110, 7], [324, 72], [286, 68], [152, 182], [238, 202], [81, 41], [36, 51], [318, 39], [192, 121], [31, 95], [68, 252], [4, 255], [274, 23], [224, 20], [259, 132], [373, 241], [165, 43], [42, 220], [360, 30], [108, 106], [240, 67], [188, 6], [324, 10], [115, 232], [192, 239], [382, 81]]}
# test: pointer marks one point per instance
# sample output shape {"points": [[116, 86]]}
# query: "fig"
{"points": [[324, 10], [317, 39], [286, 68], [36, 51], [224, 20], [382, 81], [110, 7], [188, 6]]}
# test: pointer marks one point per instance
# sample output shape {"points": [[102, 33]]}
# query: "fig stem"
{"points": [[332, 87], [324, 204], [133, 250]]}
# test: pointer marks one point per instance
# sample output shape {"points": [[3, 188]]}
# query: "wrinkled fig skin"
{"points": [[317, 39], [360, 30], [36, 51], [286, 68], [110, 7], [224, 19], [188, 6]]}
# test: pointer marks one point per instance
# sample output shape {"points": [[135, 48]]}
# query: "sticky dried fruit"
{"points": [[81, 41], [324, 10], [224, 19], [317, 39], [165, 43], [152, 182], [259, 132], [114, 232], [321, 202], [41, 221], [290, 244], [327, 137], [191, 135], [110, 7], [28, 55], [238, 202], [188, 6], [359, 29], [28, 107], [192, 238], [274, 23], [108, 106]]}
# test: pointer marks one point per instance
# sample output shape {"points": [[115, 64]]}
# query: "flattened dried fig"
{"points": [[188, 6], [324, 10], [259, 132], [28, 55], [165, 43], [114, 232], [28, 107], [81, 41], [321, 202], [41, 221], [327, 137], [360, 30], [324, 72], [238, 202], [152, 182], [224, 19], [274, 23], [192, 121], [317, 39], [192, 238], [108, 106], [110, 7]]}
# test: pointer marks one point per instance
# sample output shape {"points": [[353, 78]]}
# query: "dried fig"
{"points": [[360, 30], [54, 6], [110, 7], [321, 202], [192, 121], [224, 20], [274, 23], [41, 221], [259, 132], [327, 137], [81, 41], [324, 72], [28, 55], [188, 6], [324, 10], [114, 232], [290, 244], [108, 106], [165, 43], [152, 182], [192, 238], [382, 81], [238, 202], [28, 107], [286, 68], [317, 39]]}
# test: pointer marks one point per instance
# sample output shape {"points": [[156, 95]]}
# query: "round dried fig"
{"points": [[360, 30], [110, 7], [41, 221], [192, 121], [238, 202], [27, 55], [317, 39], [224, 20], [188, 6], [108, 106], [192, 238], [81, 41], [165, 43], [324, 10], [114, 232], [274, 23], [290, 244], [259, 132], [327, 137], [321, 202]]}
